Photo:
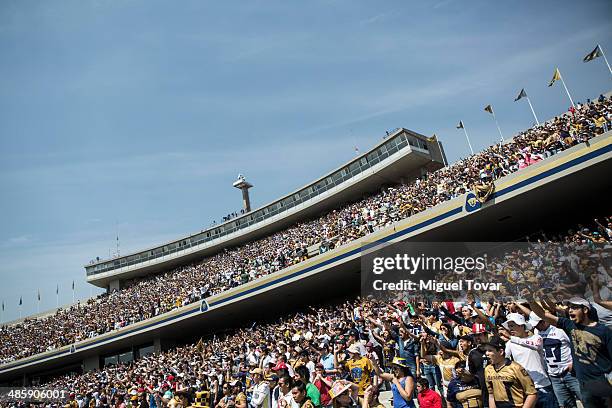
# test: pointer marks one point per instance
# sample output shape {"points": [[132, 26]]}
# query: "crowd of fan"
{"points": [[467, 352], [150, 296]]}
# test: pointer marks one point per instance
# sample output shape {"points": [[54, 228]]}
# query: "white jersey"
{"points": [[557, 351], [261, 396], [529, 353]]}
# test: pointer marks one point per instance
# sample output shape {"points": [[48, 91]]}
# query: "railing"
{"points": [[391, 146]]}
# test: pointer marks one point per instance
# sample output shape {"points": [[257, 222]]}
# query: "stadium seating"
{"points": [[196, 373], [154, 295]]}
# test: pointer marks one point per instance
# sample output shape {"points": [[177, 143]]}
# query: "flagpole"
{"points": [[468, 139], [566, 90], [497, 124], [38, 304], [605, 59], [532, 111], [57, 297]]}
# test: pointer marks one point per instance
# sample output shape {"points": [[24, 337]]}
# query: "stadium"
{"points": [[267, 309], [322, 268]]}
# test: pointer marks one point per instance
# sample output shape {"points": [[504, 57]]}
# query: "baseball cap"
{"points": [[496, 342], [518, 319], [399, 362], [280, 366], [353, 348], [534, 319], [256, 371], [579, 301]]}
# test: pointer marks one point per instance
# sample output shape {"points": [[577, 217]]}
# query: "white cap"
{"points": [[518, 319], [354, 348], [534, 319], [579, 301]]}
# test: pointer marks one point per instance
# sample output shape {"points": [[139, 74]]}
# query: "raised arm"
{"points": [[595, 286], [542, 314], [381, 373]]}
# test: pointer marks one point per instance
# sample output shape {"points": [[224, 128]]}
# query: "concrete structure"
{"points": [[568, 186], [244, 186], [402, 156]]}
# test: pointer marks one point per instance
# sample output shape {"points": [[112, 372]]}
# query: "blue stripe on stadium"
{"points": [[547, 173]]}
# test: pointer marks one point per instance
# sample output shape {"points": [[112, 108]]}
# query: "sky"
{"points": [[133, 118]]}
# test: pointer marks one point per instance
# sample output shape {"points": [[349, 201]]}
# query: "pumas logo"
{"points": [[72, 348], [203, 306], [472, 203]]}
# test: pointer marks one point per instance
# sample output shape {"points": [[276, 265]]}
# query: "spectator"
{"points": [[323, 384], [528, 351], [427, 397], [261, 390], [303, 374], [464, 389], [402, 383], [591, 351], [507, 382], [299, 395], [360, 368], [344, 394]]}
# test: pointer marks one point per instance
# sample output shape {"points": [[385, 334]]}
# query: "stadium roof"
{"points": [[400, 156]]}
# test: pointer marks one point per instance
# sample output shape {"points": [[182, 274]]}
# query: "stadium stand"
{"points": [[151, 296], [359, 340], [330, 341]]}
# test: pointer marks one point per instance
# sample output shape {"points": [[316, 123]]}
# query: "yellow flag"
{"points": [[556, 77], [433, 139]]}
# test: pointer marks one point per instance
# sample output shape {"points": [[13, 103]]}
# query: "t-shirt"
{"points": [[261, 396], [313, 393], [466, 393], [429, 399], [408, 349], [529, 353], [361, 372], [324, 391], [592, 348], [557, 349], [476, 365], [447, 365], [241, 398], [510, 385], [328, 361]]}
